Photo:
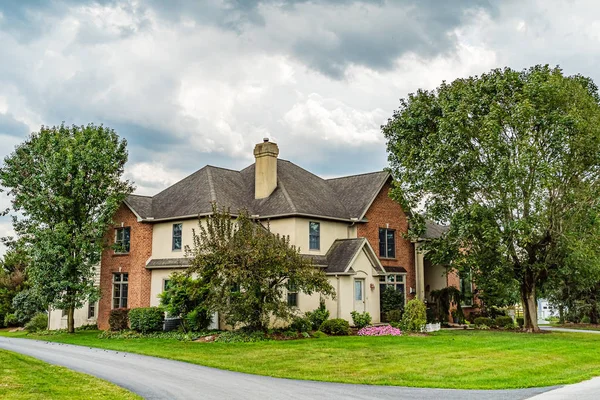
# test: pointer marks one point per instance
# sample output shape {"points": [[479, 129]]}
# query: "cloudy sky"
{"points": [[191, 82]]}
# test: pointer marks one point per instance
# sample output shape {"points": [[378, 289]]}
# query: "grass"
{"points": [[23, 377], [457, 359], [589, 327]]}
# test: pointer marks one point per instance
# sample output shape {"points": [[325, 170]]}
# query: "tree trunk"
{"points": [[529, 304], [561, 314], [70, 319]]}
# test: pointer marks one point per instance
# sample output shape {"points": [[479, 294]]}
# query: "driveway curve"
{"points": [[157, 378]]}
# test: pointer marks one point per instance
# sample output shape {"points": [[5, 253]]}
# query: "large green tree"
{"points": [[247, 270], [13, 277], [511, 159], [65, 182]]}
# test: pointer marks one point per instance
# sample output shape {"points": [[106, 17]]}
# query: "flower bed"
{"points": [[382, 330]]}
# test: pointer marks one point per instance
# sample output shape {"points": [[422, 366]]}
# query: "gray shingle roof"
{"points": [[340, 255], [433, 230], [298, 192], [168, 263]]}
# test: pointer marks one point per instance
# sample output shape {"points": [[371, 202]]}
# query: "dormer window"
{"points": [[314, 235], [177, 236]]}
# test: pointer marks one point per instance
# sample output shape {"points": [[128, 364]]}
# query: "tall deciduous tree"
{"points": [[248, 270], [66, 182], [510, 159]]}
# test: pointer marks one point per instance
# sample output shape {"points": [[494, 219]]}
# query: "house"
{"points": [[349, 226]]}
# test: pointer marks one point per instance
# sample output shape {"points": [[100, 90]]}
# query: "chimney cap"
{"points": [[265, 140]]}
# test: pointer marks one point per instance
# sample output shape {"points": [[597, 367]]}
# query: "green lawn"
{"points": [[23, 377], [458, 359]]}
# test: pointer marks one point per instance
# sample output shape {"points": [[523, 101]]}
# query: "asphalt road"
{"points": [[156, 378]]}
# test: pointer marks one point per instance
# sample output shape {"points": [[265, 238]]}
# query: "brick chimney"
{"points": [[265, 169]]}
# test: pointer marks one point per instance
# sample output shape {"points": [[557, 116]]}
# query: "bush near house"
{"points": [[504, 322], [415, 316], [483, 321], [394, 316], [301, 324], [146, 319], [39, 322], [318, 316], [118, 319], [337, 326], [360, 320]]}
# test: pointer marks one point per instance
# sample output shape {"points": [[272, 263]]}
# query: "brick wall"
{"points": [[386, 213], [133, 263]]}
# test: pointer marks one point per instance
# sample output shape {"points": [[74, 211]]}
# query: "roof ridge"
{"points": [[287, 196], [223, 168], [351, 176], [211, 186]]}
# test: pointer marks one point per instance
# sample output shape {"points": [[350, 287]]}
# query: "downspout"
{"points": [[338, 304]]}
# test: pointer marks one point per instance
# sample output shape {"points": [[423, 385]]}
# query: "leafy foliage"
{"points": [[318, 316], [39, 322], [483, 321], [394, 315], [118, 319], [10, 320], [146, 319], [510, 159], [391, 299], [360, 320], [13, 279], [241, 336], [187, 297], [444, 299], [65, 181], [414, 318], [247, 269], [301, 324], [26, 304], [336, 326], [504, 322]]}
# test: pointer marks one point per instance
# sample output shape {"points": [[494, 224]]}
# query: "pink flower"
{"points": [[382, 330]]}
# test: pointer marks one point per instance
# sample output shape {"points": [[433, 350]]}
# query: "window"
{"points": [[177, 236], [122, 240], [358, 290], [91, 310], [466, 288], [395, 281], [314, 235], [120, 289], [166, 284], [292, 295], [387, 243]]}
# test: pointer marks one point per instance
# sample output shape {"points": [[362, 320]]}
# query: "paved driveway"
{"points": [[156, 378]]}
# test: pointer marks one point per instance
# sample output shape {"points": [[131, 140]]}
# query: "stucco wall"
{"points": [[80, 316], [435, 278]]}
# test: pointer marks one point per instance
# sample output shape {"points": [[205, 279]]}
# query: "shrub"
{"points": [[337, 326], [198, 319], [301, 324], [382, 330], [10, 320], [415, 316], [146, 319], [361, 320], [39, 322], [27, 304], [391, 299], [318, 316], [241, 336], [520, 321], [482, 327], [585, 319], [118, 319], [394, 315], [88, 327], [483, 321], [186, 297], [504, 322]]}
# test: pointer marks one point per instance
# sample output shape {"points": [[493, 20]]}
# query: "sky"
{"points": [[196, 82]]}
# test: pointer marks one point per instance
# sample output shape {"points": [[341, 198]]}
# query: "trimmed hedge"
{"points": [[146, 319], [118, 319], [504, 322], [337, 326], [483, 321]]}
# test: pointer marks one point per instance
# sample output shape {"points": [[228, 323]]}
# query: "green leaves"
{"points": [[66, 183], [509, 159], [247, 268]]}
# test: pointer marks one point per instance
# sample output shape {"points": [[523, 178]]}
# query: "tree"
{"points": [[186, 297], [13, 277], [248, 269], [510, 159], [66, 182]]}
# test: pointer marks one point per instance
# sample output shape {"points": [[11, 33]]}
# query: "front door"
{"points": [[359, 295]]}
